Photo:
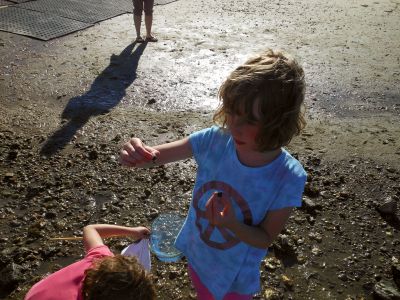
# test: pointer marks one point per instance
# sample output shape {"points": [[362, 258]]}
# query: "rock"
{"points": [[49, 251], [117, 138], [385, 290], [396, 273], [311, 275], [342, 276], [173, 275], [93, 155], [315, 236], [272, 263], [310, 219], [309, 205], [378, 277], [9, 177], [151, 101], [153, 214], [272, 294], [35, 230], [388, 207], [12, 155], [301, 259], [10, 276], [316, 251], [147, 193], [283, 246], [287, 282], [311, 191], [343, 195], [50, 214], [15, 223]]}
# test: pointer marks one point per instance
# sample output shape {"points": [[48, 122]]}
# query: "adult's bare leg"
{"points": [[148, 20], [137, 20]]}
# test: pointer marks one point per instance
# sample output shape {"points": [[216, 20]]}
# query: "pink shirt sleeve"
{"points": [[68, 280], [98, 251]]}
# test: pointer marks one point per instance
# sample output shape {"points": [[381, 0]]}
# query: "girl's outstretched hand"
{"points": [[219, 210], [140, 232], [134, 153]]}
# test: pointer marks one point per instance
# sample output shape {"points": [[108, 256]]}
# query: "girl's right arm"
{"points": [[93, 234], [136, 154]]}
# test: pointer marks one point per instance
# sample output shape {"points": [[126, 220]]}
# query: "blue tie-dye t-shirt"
{"points": [[224, 263]]}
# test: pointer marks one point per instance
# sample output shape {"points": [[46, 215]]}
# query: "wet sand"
{"points": [[68, 104]]}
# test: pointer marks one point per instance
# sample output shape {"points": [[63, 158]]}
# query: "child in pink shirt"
{"points": [[100, 275]]}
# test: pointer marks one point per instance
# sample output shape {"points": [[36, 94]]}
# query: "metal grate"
{"points": [[5, 3], [77, 10], [40, 25], [47, 19], [124, 5]]}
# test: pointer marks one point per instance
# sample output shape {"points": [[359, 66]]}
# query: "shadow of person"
{"points": [[106, 91]]}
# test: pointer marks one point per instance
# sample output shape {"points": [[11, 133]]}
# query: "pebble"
{"points": [[11, 275], [343, 276], [272, 263], [287, 282], [309, 205], [315, 236], [50, 215], [316, 251], [388, 206], [272, 294], [15, 223], [386, 290], [396, 273]]}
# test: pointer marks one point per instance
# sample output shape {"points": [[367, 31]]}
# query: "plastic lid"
{"points": [[164, 230]]}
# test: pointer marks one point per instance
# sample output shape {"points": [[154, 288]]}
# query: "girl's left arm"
{"points": [[263, 235], [219, 212]]}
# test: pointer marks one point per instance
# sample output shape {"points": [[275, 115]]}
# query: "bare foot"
{"points": [[151, 39]]}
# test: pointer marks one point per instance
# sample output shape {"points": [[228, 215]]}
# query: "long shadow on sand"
{"points": [[105, 93]]}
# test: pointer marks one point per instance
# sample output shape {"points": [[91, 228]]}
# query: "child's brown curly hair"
{"points": [[276, 81], [117, 277]]}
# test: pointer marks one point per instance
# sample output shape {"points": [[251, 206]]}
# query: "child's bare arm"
{"points": [[136, 154], [93, 234], [219, 211], [262, 236]]}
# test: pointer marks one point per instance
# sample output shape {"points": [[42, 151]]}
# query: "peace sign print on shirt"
{"points": [[205, 234]]}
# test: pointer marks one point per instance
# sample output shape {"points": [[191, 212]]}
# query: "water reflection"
{"points": [[107, 90]]}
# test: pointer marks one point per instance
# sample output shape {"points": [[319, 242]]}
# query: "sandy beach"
{"points": [[68, 104]]}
